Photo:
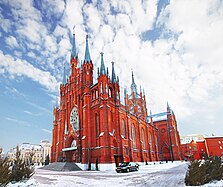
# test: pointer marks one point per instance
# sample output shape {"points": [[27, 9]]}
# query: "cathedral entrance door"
{"points": [[118, 159], [69, 154]]}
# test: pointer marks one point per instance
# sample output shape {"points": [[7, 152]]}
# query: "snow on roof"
{"points": [[157, 117], [199, 140], [30, 146], [192, 135], [214, 137]]}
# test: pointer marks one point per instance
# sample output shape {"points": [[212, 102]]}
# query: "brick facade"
{"points": [[91, 125], [210, 146]]}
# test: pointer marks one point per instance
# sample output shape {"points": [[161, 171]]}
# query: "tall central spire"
{"points": [[113, 80], [102, 68], [73, 51], [87, 57], [133, 85]]}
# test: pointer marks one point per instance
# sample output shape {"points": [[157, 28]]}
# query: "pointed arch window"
{"points": [[97, 125], [117, 95], [101, 88], [96, 94], [134, 136], [143, 139], [123, 128], [106, 88], [66, 128], [110, 92], [139, 108], [150, 142], [74, 143], [131, 109], [176, 139]]}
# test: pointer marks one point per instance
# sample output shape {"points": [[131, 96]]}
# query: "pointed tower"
{"points": [[103, 78], [87, 57], [113, 79], [168, 107], [73, 50], [133, 85], [87, 67], [73, 60], [102, 68]]}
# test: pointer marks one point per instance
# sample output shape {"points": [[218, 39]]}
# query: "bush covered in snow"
{"points": [[203, 171], [4, 172], [14, 171]]}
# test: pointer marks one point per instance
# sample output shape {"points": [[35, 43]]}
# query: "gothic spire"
{"points": [[102, 68], [168, 107], [107, 72], [113, 80], [87, 57], [73, 51], [64, 75], [133, 81], [133, 85]]}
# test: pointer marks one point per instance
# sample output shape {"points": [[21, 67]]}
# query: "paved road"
{"points": [[144, 177], [173, 177]]}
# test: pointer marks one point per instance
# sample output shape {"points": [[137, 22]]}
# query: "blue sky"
{"points": [[174, 47]]}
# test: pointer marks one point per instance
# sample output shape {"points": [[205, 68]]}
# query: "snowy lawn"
{"points": [[166, 174]]}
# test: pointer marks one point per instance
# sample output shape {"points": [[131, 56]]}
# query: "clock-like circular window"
{"points": [[74, 119]]}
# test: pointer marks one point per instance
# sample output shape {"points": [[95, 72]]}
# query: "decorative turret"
{"points": [[125, 92], [107, 72], [133, 85], [102, 68], [87, 57], [113, 79], [168, 107], [73, 51], [87, 68]]}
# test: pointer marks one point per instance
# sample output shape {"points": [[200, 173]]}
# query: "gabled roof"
{"points": [[157, 117]]}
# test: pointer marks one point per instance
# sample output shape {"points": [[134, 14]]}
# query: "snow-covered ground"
{"points": [[158, 175]]}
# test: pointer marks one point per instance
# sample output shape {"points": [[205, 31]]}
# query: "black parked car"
{"points": [[127, 167]]}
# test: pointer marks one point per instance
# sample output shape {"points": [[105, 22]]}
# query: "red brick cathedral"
{"points": [[92, 127]]}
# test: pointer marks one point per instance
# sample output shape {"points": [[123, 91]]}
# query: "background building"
{"points": [[169, 139], [214, 145], [46, 145], [188, 138], [197, 149], [32, 153], [91, 126]]}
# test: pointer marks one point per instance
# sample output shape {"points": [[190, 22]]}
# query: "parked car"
{"points": [[127, 167]]}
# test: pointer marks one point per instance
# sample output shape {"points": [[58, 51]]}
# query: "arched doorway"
{"points": [[70, 152], [165, 153]]}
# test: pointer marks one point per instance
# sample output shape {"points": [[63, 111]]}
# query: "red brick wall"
{"points": [[214, 146], [106, 142]]}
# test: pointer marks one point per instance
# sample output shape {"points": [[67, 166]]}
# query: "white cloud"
{"points": [[16, 121], [17, 67], [46, 130], [11, 41], [14, 92], [185, 70], [39, 107]]}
